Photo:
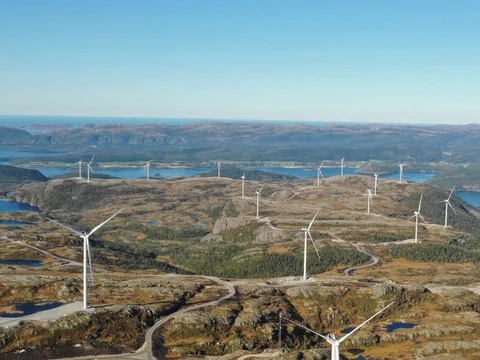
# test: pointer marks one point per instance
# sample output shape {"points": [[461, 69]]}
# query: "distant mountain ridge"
{"points": [[264, 141]]}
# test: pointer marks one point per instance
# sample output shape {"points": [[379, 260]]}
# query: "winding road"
{"points": [[145, 351]]}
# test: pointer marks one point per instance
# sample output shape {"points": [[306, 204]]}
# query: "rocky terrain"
{"points": [[203, 226]]}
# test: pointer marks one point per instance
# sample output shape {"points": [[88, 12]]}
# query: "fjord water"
{"points": [[302, 173], [13, 206], [418, 177], [471, 197]]}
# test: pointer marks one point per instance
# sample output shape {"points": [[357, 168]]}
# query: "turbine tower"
{"points": [[86, 252], [332, 340], [80, 169], [258, 201], [369, 199], [447, 204], [342, 160], [218, 164], [89, 168], [319, 173], [147, 168], [401, 170], [416, 215], [243, 185], [307, 234], [376, 182]]}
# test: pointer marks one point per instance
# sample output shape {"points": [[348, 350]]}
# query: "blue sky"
{"points": [[326, 60]]}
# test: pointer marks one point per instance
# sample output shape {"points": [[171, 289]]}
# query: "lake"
{"points": [[168, 173], [418, 177], [29, 263], [14, 223], [13, 206], [25, 309], [302, 173], [471, 197]]}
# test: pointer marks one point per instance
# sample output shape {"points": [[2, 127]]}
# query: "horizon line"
{"points": [[220, 119]]}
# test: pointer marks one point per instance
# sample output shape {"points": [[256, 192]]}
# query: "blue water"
{"points": [[418, 177], [13, 206], [29, 263], [306, 173], [152, 223], [471, 197], [399, 325], [389, 328], [25, 309], [14, 223]]}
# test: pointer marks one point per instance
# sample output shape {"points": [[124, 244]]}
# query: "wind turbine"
{"points": [[243, 185], [332, 340], [447, 204], [319, 173], [401, 170], [147, 168], [369, 199], [307, 234], [86, 252], [376, 182], [89, 168], [416, 215], [342, 160], [80, 169], [258, 200], [218, 164]]}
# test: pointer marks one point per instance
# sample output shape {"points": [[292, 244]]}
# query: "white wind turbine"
{"points": [[243, 185], [416, 215], [332, 340], [320, 173], [89, 168], [80, 169], [307, 234], [342, 161], [376, 182], [401, 170], [258, 201], [86, 252], [147, 168], [447, 204], [218, 164], [369, 199]]}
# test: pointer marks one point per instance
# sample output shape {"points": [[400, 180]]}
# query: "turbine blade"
{"points": [[93, 172], [453, 189], [314, 246], [89, 259], [103, 223], [420, 203], [91, 160], [322, 164], [321, 174], [314, 332], [411, 218], [76, 232], [366, 321], [311, 222], [451, 207], [421, 217]]}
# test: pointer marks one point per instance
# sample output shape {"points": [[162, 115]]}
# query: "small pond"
{"points": [[25, 309], [29, 263]]}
